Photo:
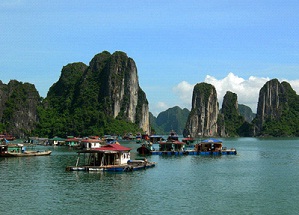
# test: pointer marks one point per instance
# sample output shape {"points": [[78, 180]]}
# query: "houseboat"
{"points": [[72, 141], [155, 138], [205, 147], [110, 158], [57, 141], [170, 147], [213, 147], [19, 150]]}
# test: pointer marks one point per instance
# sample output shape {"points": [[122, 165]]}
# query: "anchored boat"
{"points": [[19, 150], [205, 147], [111, 158]]}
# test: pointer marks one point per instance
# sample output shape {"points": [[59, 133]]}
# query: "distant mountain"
{"points": [[155, 129], [246, 112], [172, 119]]}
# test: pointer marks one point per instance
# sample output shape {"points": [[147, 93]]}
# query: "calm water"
{"points": [[262, 179]]}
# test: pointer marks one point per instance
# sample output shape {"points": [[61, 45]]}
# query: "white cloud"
{"points": [[246, 90], [159, 107], [184, 91], [294, 84]]}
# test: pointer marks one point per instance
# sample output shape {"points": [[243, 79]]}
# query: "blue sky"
{"points": [[235, 45]]}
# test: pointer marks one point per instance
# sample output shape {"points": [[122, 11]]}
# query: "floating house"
{"points": [[205, 147], [56, 141], [89, 143], [72, 141], [112, 157]]}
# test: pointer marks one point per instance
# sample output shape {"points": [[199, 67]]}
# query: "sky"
{"points": [[236, 45]]}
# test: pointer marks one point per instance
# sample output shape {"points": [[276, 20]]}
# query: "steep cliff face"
{"points": [[62, 92], [119, 92], [270, 104], [3, 97], [18, 102], [230, 104], [142, 112], [122, 86], [108, 87], [232, 120], [277, 111], [202, 120]]}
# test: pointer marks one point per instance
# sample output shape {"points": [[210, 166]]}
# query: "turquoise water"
{"points": [[263, 178]]}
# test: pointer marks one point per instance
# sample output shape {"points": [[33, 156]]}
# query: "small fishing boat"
{"points": [[110, 158], [18, 150]]}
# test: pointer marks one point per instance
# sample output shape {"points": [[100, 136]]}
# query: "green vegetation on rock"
{"points": [[172, 119]]}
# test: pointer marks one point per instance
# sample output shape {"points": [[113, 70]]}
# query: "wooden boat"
{"points": [[18, 150], [111, 158]]}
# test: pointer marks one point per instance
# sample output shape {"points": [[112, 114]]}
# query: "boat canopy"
{"points": [[172, 142], [109, 147], [211, 140]]}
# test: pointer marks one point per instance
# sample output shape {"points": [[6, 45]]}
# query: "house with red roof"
{"points": [[90, 143], [111, 154]]}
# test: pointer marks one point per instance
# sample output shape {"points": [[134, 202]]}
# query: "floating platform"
{"points": [[192, 152], [130, 167]]}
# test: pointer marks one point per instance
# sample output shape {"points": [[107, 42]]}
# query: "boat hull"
{"points": [[25, 154], [111, 168]]}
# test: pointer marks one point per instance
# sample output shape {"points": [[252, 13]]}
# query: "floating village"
{"points": [[107, 154]]}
